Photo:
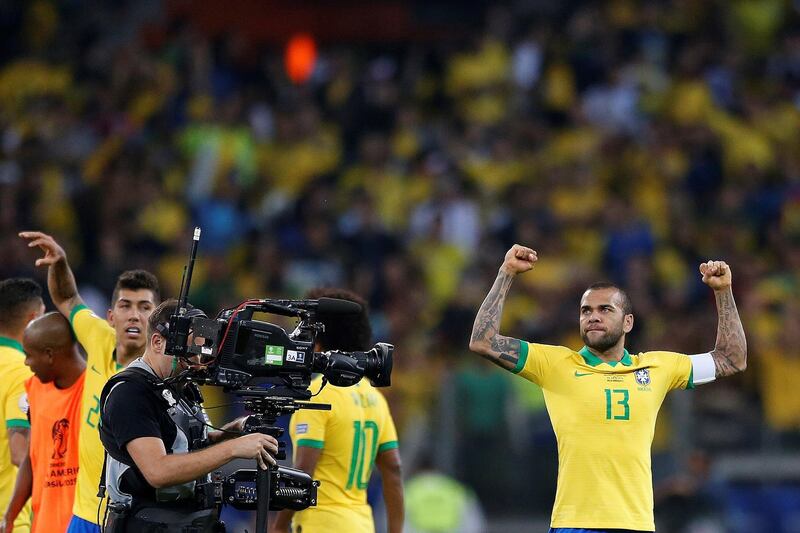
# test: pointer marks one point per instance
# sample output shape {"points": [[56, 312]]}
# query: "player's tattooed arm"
{"points": [[486, 339], [730, 351]]}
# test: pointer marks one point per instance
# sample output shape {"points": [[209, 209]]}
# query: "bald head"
{"points": [[50, 348], [49, 331]]}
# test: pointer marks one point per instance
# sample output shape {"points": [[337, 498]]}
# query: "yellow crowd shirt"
{"points": [[13, 404], [99, 340], [604, 418], [356, 429]]}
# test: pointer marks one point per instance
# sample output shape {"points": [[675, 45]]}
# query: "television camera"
{"points": [[235, 351]]}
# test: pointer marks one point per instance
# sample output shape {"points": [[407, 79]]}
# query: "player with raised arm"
{"points": [[110, 345], [602, 400]]}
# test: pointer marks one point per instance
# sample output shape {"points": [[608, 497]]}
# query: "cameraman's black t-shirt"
{"points": [[132, 410]]}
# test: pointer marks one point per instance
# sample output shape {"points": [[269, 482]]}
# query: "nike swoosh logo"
{"points": [[580, 375], [94, 369]]}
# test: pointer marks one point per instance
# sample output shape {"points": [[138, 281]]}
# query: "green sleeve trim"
{"points": [[18, 423], [311, 443], [690, 383], [523, 357], [386, 446], [75, 310]]}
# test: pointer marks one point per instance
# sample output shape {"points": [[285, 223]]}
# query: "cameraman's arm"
{"points": [[164, 470], [232, 429], [388, 463], [306, 459]]}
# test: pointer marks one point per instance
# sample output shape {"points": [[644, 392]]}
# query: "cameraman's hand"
{"points": [[256, 446], [231, 430]]}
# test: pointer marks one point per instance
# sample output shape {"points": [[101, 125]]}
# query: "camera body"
{"points": [[235, 348]]}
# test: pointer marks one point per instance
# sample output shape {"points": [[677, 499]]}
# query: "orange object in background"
{"points": [[300, 58]]}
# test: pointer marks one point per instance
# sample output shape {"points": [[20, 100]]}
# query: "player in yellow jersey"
{"points": [[20, 302], [603, 400], [340, 447], [110, 344]]}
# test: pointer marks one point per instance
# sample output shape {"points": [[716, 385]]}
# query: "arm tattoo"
{"points": [[61, 283], [501, 350], [730, 351]]}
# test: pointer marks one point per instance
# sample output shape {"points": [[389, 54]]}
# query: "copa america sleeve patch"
{"points": [[23, 404], [301, 429], [703, 368]]}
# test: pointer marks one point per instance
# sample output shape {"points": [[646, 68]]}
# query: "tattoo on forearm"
{"points": [[730, 351], [487, 325], [61, 282]]}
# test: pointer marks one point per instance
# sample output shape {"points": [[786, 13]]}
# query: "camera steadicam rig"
{"points": [[234, 350]]}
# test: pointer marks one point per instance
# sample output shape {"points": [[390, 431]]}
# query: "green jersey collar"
{"points": [[11, 343], [592, 360]]}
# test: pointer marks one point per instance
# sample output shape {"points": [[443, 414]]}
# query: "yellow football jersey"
{"points": [[13, 405], [350, 435], [604, 418], [99, 340]]}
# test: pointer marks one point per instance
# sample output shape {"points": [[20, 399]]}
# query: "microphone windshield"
{"points": [[335, 306]]}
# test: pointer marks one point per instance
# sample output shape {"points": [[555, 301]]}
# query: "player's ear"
{"points": [[627, 323]]}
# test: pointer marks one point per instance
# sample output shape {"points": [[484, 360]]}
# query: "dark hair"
{"points": [[160, 315], [16, 297], [134, 280], [627, 308], [348, 332]]}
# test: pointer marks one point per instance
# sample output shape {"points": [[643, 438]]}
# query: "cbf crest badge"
{"points": [[642, 376]]}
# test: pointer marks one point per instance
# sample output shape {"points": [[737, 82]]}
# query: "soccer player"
{"points": [[20, 302], [49, 470], [340, 447], [110, 345], [603, 400]]}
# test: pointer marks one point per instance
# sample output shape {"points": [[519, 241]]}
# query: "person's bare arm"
{"points": [[730, 350], [306, 459], [60, 279], [22, 492], [18, 444], [164, 470], [486, 339], [388, 463]]}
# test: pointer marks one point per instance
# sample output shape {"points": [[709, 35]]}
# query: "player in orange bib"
{"points": [[49, 473]]}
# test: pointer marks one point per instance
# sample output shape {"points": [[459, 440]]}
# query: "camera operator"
{"points": [[159, 451], [340, 447]]}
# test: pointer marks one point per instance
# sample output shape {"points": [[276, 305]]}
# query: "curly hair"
{"points": [[348, 332]]}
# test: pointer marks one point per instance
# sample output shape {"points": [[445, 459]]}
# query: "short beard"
{"points": [[604, 343]]}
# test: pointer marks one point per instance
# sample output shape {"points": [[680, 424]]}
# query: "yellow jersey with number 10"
{"points": [[13, 408], [604, 418], [350, 435], [99, 340]]}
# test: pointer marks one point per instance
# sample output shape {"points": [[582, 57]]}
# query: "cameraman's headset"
{"points": [[163, 328]]}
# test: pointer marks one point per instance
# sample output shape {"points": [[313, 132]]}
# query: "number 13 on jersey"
{"points": [[617, 407]]}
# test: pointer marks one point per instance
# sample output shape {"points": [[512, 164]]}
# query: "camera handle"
{"points": [[257, 424], [262, 504]]}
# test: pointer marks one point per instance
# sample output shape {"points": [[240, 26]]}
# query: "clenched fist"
{"points": [[518, 259], [716, 274]]}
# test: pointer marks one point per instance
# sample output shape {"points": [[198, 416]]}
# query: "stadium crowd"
{"points": [[624, 140]]}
